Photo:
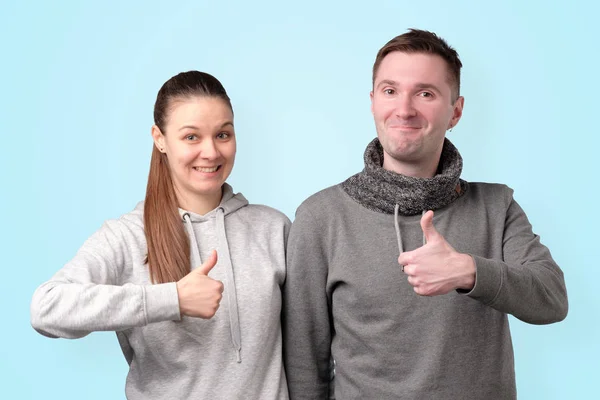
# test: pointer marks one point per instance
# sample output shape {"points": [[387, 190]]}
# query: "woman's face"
{"points": [[199, 141]]}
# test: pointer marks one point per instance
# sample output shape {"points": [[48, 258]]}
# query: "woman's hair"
{"points": [[168, 244]]}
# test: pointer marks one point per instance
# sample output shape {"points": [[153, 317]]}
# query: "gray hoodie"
{"points": [[234, 355]]}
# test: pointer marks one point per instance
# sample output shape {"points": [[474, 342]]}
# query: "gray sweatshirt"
{"points": [[345, 297], [234, 355]]}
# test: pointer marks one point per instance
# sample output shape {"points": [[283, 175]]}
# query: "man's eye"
{"points": [[389, 91], [426, 94]]}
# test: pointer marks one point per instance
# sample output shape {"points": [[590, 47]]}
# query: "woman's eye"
{"points": [[223, 135], [190, 137]]}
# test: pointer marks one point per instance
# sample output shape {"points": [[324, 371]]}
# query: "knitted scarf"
{"points": [[380, 190]]}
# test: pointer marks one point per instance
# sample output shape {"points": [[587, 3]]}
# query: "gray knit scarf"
{"points": [[380, 190]]}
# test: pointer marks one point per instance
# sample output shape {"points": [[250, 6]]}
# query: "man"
{"points": [[404, 274]]}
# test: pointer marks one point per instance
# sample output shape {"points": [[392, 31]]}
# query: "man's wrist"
{"points": [[467, 263]]}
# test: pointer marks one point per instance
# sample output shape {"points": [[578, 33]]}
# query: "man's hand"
{"points": [[436, 268], [200, 295]]}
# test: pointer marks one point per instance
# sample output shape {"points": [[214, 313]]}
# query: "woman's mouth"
{"points": [[207, 169]]}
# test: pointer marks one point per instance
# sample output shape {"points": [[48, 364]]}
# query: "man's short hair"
{"points": [[420, 41]]}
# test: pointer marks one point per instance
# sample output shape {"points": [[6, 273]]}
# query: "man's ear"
{"points": [[456, 112]]}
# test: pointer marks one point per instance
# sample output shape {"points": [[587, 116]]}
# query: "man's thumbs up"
{"points": [[429, 230], [199, 294], [436, 268]]}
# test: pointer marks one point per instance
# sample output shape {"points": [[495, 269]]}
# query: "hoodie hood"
{"points": [[230, 203]]}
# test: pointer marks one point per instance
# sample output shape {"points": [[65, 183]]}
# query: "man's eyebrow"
{"points": [[420, 85], [427, 86], [387, 82]]}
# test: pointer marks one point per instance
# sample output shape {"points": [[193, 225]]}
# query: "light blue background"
{"points": [[78, 82]]}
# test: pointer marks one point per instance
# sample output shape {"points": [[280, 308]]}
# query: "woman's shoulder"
{"points": [[265, 213], [134, 218], [131, 222]]}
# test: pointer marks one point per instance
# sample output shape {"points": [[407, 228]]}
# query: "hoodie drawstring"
{"points": [[196, 260], [397, 226], [234, 320], [225, 259], [398, 235]]}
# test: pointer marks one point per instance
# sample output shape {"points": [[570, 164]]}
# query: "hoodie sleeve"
{"points": [[528, 283], [86, 294], [306, 321]]}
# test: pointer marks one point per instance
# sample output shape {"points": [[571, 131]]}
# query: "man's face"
{"points": [[412, 106]]}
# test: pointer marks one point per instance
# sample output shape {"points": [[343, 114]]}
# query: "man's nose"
{"points": [[405, 107]]}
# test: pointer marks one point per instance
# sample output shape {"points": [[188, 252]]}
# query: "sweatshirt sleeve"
{"points": [[306, 320], [528, 283], [86, 294]]}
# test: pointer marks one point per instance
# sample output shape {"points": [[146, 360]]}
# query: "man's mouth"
{"points": [[404, 127]]}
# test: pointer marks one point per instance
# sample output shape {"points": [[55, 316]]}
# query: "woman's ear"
{"points": [[159, 138]]}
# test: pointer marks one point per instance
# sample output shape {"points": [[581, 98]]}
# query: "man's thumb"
{"points": [[209, 263], [427, 225]]}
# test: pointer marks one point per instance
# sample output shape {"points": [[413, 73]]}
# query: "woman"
{"points": [[190, 280]]}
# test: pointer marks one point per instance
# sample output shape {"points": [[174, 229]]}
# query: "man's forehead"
{"points": [[413, 62], [412, 68]]}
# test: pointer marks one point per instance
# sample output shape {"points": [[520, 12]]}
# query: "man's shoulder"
{"points": [[323, 197], [489, 187], [490, 192], [322, 201]]}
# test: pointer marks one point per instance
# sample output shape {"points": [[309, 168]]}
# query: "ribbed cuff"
{"points": [[488, 280], [161, 302]]}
